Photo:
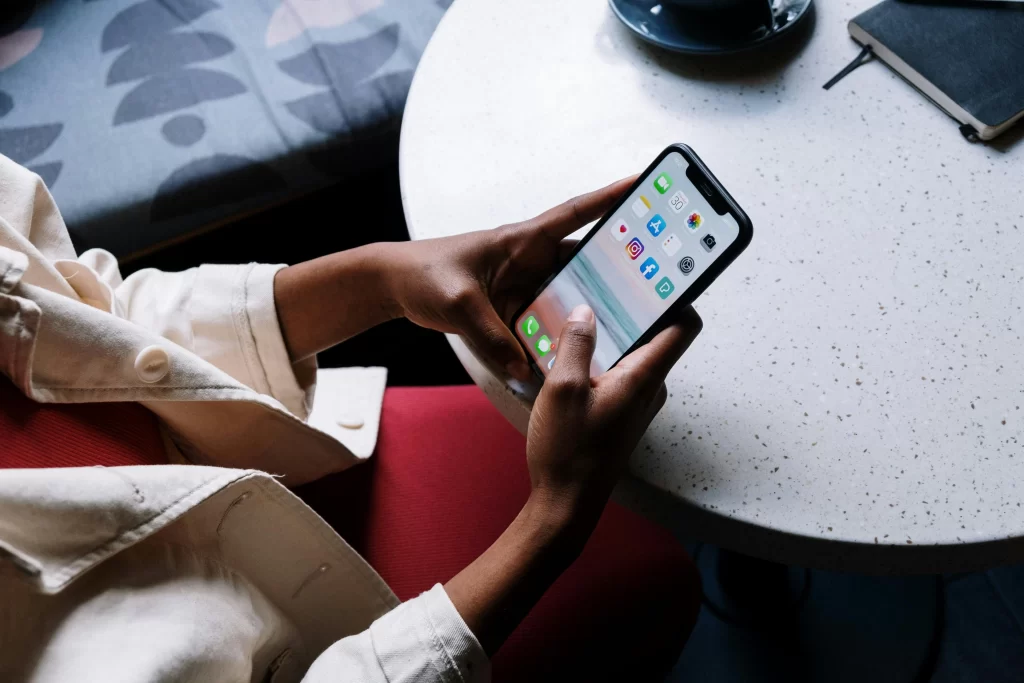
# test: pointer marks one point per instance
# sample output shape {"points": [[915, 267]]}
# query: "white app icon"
{"points": [[641, 206], [619, 230], [671, 245], [678, 201]]}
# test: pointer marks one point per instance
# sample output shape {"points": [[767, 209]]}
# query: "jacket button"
{"points": [[350, 421], [152, 364]]}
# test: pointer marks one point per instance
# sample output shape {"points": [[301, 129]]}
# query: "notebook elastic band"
{"points": [[862, 58]]}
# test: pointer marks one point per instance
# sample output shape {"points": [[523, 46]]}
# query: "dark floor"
{"points": [[984, 634], [857, 624], [853, 628]]}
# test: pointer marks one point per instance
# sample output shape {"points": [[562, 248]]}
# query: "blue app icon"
{"points": [[649, 268], [656, 225]]}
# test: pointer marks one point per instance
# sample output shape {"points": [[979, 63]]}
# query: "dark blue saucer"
{"points": [[684, 31]]}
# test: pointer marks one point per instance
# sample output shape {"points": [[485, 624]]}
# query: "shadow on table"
{"points": [[1006, 142], [688, 520]]}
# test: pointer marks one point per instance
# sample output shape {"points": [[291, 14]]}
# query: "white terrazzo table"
{"points": [[854, 400]]}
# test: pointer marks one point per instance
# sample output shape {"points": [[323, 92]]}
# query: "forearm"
{"points": [[496, 591], [325, 301]]}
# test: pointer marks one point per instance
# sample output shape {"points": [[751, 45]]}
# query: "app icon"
{"points": [[634, 248], [641, 206], [656, 225], [649, 268], [664, 287], [543, 345], [671, 245], [551, 363], [694, 221], [708, 242], [530, 326], [619, 230], [686, 265], [678, 201], [662, 183]]}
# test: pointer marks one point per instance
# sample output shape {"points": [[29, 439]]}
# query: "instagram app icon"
{"points": [[634, 248]]}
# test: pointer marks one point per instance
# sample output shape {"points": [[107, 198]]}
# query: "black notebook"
{"points": [[967, 57]]}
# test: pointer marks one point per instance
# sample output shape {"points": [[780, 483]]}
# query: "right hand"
{"points": [[583, 429], [581, 434]]}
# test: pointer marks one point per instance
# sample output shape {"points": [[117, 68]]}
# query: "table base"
{"points": [[767, 622]]}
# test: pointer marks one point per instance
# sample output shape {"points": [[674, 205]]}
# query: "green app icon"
{"points": [[543, 345], [662, 183], [530, 326], [664, 288]]}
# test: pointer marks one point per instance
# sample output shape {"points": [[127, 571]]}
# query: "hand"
{"points": [[581, 434], [473, 284], [583, 429]]}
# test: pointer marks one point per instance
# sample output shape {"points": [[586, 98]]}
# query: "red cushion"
{"points": [[448, 476], [75, 434]]}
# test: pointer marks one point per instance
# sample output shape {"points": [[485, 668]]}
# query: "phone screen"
{"points": [[632, 268]]}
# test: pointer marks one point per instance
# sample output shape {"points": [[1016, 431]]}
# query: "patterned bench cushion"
{"points": [[150, 120]]}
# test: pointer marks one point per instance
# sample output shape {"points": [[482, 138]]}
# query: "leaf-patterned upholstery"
{"points": [[151, 119]]}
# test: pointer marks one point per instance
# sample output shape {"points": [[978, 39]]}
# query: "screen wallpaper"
{"points": [[637, 265]]}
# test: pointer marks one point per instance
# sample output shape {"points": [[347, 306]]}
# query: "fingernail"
{"points": [[582, 314], [520, 371]]}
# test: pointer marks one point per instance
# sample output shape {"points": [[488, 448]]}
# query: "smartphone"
{"points": [[670, 235]]}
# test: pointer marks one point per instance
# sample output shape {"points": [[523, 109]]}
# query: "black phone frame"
{"points": [[720, 194]]}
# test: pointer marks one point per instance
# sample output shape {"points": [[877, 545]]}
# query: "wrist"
{"points": [[383, 260], [557, 522]]}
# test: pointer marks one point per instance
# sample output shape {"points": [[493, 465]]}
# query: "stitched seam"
{"points": [[137, 494], [157, 521], [435, 644], [433, 660], [244, 332], [335, 543], [450, 666], [26, 317]]}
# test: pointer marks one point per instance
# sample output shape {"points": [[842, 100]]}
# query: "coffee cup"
{"points": [[727, 17]]}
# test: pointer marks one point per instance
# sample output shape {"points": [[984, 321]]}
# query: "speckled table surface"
{"points": [[854, 400]]}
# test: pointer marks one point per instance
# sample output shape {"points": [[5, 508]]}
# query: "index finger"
{"points": [[570, 216]]}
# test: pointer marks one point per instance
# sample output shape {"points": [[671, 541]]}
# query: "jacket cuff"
{"points": [[290, 383], [431, 625], [235, 326]]}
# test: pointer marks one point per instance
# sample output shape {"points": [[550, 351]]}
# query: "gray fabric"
{"points": [[151, 119]]}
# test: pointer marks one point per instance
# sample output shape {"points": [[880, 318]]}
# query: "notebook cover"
{"points": [[971, 51]]}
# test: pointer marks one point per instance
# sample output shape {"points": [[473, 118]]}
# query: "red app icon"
{"points": [[619, 230]]}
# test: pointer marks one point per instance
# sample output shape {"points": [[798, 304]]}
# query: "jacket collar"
{"points": [[56, 524]]}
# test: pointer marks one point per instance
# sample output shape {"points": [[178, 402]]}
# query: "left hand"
{"points": [[473, 284]]}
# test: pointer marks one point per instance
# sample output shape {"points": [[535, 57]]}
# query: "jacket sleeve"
{"points": [[423, 640], [225, 315]]}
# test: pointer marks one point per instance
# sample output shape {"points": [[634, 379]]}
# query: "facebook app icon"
{"points": [[656, 225], [649, 268]]}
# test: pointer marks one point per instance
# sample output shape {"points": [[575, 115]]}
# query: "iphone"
{"points": [[670, 235]]}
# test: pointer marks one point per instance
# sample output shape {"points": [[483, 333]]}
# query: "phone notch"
{"points": [[707, 188]]}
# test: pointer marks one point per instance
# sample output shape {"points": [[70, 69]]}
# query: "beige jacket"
{"points": [[183, 572]]}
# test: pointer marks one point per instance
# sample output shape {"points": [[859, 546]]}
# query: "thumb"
{"points": [[575, 349], [492, 338]]}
